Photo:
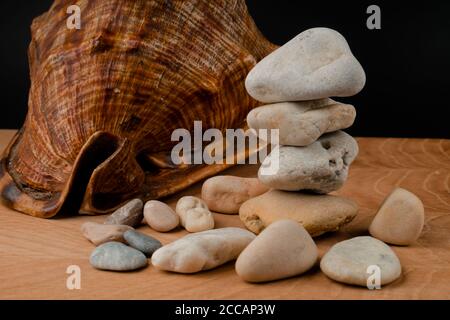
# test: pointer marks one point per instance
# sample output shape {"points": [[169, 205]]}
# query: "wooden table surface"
{"points": [[35, 253]]}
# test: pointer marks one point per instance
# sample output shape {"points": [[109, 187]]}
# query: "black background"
{"points": [[407, 62]]}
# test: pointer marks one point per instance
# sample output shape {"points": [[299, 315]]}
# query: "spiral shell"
{"points": [[105, 99]]}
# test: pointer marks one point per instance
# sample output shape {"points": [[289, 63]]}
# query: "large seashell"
{"points": [[105, 99]]}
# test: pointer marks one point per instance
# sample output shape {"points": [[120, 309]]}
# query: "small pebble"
{"points": [[318, 214], [321, 167], [116, 256], [203, 250], [130, 214], [316, 64], [194, 214], [400, 219], [144, 243], [282, 250], [160, 217], [99, 233], [302, 123], [349, 261], [226, 194]]}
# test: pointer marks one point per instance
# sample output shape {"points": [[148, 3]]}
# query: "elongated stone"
{"points": [[142, 242], [302, 123], [203, 250], [318, 214], [99, 233], [130, 214]]}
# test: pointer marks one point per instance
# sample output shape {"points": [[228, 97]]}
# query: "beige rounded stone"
{"points": [[202, 251], [302, 123], [400, 218], [318, 214], [284, 249], [316, 64], [198, 219], [321, 167], [194, 214], [98, 233], [354, 261], [160, 217], [131, 214], [226, 194]]}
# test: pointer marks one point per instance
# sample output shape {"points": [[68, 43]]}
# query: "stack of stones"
{"points": [[296, 82], [313, 155]]}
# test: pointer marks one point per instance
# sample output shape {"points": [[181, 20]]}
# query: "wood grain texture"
{"points": [[34, 253]]}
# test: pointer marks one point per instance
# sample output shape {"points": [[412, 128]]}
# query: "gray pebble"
{"points": [[142, 242], [131, 214], [116, 256]]}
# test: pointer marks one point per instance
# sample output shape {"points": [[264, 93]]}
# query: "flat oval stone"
{"points": [[203, 250], [318, 214], [116, 256], [99, 233], [316, 64], [130, 214], [400, 218], [160, 217], [194, 214], [348, 261], [142, 242], [226, 194], [284, 249], [321, 167], [302, 123]]}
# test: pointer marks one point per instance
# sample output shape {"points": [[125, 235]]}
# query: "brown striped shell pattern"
{"points": [[105, 99]]}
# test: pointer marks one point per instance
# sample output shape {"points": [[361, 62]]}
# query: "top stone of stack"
{"points": [[316, 64]]}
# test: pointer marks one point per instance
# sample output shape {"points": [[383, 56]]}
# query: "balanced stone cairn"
{"points": [[296, 82], [298, 79]]}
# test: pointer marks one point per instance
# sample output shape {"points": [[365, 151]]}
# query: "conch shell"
{"points": [[105, 99]]}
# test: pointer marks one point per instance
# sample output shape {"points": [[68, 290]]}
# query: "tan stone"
{"points": [[316, 64], [194, 214], [318, 214], [400, 218], [160, 217], [99, 233], [284, 249], [226, 194], [353, 261], [302, 123], [202, 251]]}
